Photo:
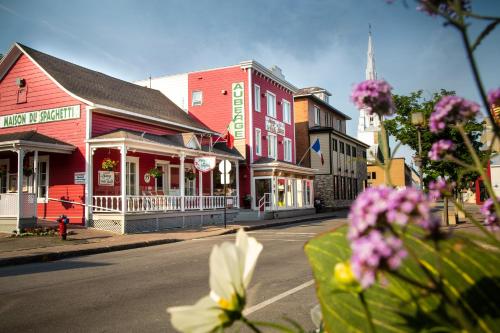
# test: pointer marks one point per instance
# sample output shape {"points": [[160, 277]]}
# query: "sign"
{"points": [[147, 177], [205, 163], [275, 126], [238, 105], [227, 167], [106, 178], [41, 116], [80, 178]]}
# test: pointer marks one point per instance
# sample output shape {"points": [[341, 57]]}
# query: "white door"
{"points": [[495, 179], [4, 175]]}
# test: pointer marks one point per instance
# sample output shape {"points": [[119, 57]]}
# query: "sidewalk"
{"points": [[82, 241]]}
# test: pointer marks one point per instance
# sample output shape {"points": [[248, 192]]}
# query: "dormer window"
{"points": [[197, 98]]}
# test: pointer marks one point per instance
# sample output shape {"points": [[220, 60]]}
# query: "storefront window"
{"points": [[307, 193], [174, 181], [131, 178], [3, 175], [281, 200], [300, 193], [290, 202]]}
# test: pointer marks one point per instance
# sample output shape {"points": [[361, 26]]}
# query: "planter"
{"points": [[108, 164]]}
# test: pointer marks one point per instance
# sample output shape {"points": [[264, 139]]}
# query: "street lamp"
{"points": [[418, 120]]}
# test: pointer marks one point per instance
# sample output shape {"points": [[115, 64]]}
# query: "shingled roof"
{"points": [[105, 91]]}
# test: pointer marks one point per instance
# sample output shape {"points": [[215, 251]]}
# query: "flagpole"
{"points": [[308, 149], [225, 131]]}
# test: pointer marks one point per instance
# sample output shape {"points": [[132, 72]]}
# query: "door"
{"points": [[262, 186], [4, 175], [162, 182]]}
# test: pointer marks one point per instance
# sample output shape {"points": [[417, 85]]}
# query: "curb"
{"points": [[53, 256]]}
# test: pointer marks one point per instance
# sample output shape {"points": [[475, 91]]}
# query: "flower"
{"points": [[451, 109], [494, 97], [317, 317], [440, 187], [491, 219], [231, 270], [440, 148], [374, 216], [108, 164], [374, 96], [344, 278], [434, 7]]}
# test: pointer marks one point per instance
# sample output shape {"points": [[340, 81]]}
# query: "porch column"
{"points": [[89, 187], [200, 188], [237, 176], [181, 178], [20, 175], [212, 181], [35, 183], [123, 180]]}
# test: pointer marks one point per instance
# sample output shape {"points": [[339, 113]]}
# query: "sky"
{"points": [[315, 42]]}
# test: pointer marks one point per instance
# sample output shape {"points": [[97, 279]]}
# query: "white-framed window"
{"points": [[271, 104], [287, 113], [4, 175], [272, 145], [132, 175], [258, 142], [256, 97], [197, 97], [317, 115], [162, 182], [287, 149], [43, 178]]}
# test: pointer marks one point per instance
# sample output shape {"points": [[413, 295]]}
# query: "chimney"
{"points": [[278, 72]]}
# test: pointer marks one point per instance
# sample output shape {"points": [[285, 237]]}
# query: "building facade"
{"points": [[400, 173], [104, 152], [342, 174], [256, 103]]}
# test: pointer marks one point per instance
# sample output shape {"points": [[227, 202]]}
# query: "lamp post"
{"points": [[418, 120]]}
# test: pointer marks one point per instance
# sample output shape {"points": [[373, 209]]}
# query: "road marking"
{"points": [[276, 298], [284, 233]]}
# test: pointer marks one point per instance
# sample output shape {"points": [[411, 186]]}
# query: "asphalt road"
{"points": [[129, 291]]}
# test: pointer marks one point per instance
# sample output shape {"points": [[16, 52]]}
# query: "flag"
{"points": [[317, 148], [230, 136]]}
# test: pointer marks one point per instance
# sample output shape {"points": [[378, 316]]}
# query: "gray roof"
{"points": [[102, 89], [31, 136], [312, 90]]}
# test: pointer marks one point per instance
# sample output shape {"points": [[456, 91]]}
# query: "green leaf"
{"points": [[470, 275]]}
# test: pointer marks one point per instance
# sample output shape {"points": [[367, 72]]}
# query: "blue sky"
{"points": [[315, 42]]}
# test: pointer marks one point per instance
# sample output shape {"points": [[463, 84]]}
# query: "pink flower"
{"points": [[434, 7], [440, 148], [374, 96], [440, 187], [491, 219], [494, 97], [451, 110]]}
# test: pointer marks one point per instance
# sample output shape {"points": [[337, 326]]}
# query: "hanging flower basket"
{"points": [[190, 174], [27, 172], [155, 172], [108, 164]]}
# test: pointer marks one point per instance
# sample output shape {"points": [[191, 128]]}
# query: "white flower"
{"points": [[231, 270], [317, 317]]}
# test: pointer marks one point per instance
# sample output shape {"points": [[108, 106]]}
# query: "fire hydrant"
{"points": [[63, 221]]}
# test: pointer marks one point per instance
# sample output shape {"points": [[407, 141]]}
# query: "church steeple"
{"points": [[371, 73]]}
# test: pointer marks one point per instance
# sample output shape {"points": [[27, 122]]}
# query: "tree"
{"points": [[401, 128]]}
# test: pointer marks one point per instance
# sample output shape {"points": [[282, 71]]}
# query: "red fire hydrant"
{"points": [[63, 221]]}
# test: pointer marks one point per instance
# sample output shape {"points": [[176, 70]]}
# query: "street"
{"points": [[130, 290]]}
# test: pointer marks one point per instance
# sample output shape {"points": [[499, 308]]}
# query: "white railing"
{"points": [[9, 205], [152, 203], [107, 203], [264, 203]]}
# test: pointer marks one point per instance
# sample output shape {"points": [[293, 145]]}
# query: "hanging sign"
{"points": [[238, 105], [205, 163], [147, 177], [106, 178], [41, 116], [275, 126]]}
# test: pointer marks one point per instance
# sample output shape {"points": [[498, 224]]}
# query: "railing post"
{"points": [[35, 184], [123, 181], [200, 188], [182, 179]]}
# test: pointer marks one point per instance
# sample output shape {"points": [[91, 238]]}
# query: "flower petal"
{"points": [[203, 317], [251, 250]]}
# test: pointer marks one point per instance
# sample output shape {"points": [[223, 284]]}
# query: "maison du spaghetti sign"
{"points": [[238, 105], [41, 116]]}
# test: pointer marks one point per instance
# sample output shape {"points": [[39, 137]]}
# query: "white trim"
{"points": [[258, 142], [33, 145], [283, 102], [294, 141], [267, 105], [250, 114], [192, 97], [260, 68], [166, 175], [275, 156], [317, 108], [41, 158], [89, 188], [257, 98], [6, 161], [289, 159]]}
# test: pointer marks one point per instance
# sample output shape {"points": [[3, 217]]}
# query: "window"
{"points": [[131, 176], [364, 154], [354, 153], [374, 175], [287, 149], [4, 175], [161, 182], [334, 145], [197, 98], [339, 125], [341, 147], [300, 193], [272, 145], [327, 119], [271, 105], [258, 142], [307, 192], [348, 150], [317, 114], [42, 181], [256, 97], [287, 116]]}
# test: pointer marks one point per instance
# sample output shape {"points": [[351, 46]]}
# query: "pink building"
{"points": [[259, 103]]}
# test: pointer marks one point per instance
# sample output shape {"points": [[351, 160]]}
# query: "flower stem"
{"points": [[368, 314], [250, 325], [385, 152]]}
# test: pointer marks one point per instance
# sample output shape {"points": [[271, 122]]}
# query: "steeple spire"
{"points": [[371, 73]]}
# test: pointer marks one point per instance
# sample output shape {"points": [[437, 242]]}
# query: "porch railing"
{"points": [[151, 203], [9, 205]]}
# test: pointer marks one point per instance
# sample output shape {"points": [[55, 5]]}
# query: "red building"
{"points": [[257, 103], [107, 153]]}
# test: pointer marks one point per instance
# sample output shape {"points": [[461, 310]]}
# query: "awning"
{"points": [[31, 141]]}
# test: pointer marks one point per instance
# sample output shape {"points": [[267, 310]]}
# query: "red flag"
{"points": [[229, 136]]}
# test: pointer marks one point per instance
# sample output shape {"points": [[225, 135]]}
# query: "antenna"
{"points": [[149, 81]]}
